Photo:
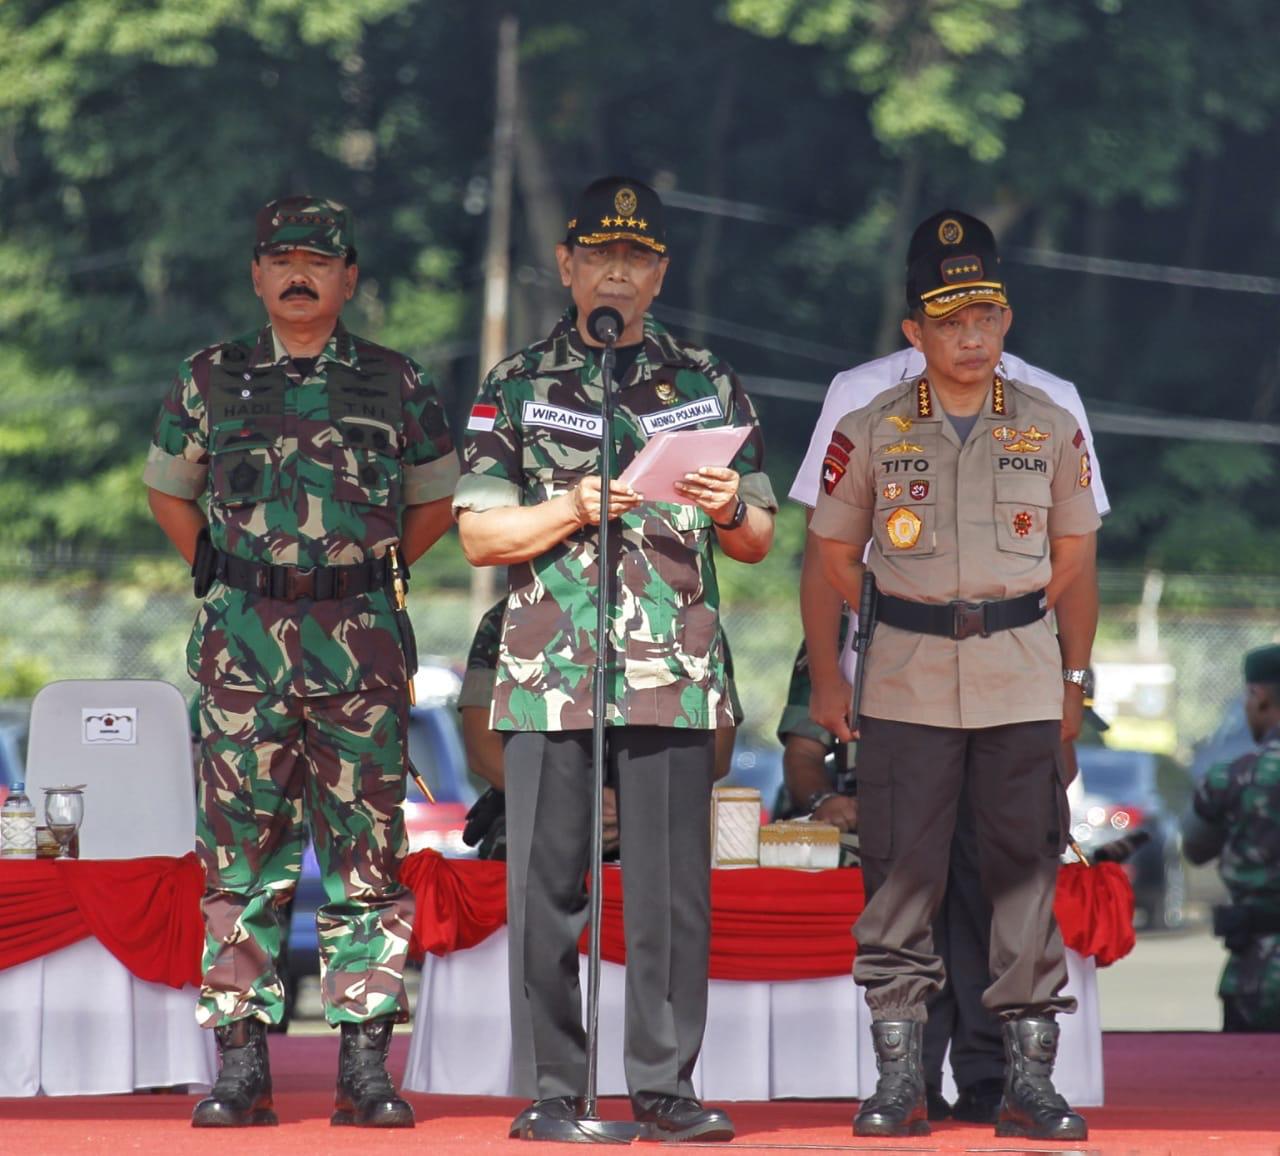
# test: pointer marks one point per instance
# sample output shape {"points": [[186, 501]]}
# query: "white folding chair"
{"points": [[129, 741], [87, 1026]]}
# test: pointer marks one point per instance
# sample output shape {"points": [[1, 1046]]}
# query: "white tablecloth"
{"points": [[805, 1039], [75, 1022]]}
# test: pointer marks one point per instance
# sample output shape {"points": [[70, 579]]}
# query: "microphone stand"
{"points": [[592, 1128]]}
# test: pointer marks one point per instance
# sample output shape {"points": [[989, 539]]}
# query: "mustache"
{"points": [[299, 291]]}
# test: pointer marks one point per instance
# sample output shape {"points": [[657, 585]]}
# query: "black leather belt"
{"points": [[960, 619], [293, 582]]}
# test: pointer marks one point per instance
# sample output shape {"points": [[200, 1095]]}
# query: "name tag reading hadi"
{"points": [[558, 417], [114, 725]]}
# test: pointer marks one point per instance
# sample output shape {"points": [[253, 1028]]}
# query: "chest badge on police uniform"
{"points": [[919, 491], [1022, 446], [1022, 523], [902, 447], [1004, 433], [666, 392], [901, 424], [903, 527], [891, 491], [1035, 435]]}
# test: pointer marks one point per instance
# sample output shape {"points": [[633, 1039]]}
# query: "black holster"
{"points": [[204, 565]]}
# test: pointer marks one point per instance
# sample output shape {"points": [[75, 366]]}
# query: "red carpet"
{"points": [[1178, 1094]]}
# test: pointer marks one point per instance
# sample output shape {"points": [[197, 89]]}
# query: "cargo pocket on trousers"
{"points": [[1059, 809], [875, 804]]}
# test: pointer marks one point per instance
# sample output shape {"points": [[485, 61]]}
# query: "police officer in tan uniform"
{"points": [[973, 492]]}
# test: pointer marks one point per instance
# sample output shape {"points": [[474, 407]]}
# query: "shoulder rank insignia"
{"points": [[1035, 435], [903, 527], [1022, 446], [997, 397], [1004, 433], [892, 491], [666, 392], [902, 447], [901, 424], [924, 404]]}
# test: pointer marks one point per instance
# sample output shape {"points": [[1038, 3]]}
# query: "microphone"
{"points": [[604, 323], [1118, 850]]}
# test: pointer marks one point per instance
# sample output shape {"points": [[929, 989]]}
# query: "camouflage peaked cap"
{"points": [[952, 262], [305, 223], [618, 209]]}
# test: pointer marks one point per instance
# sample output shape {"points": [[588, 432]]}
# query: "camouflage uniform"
{"points": [[534, 432], [302, 702], [1239, 803]]}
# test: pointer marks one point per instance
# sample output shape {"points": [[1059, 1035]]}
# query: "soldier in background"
{"points": [[1235, 818], [529, 499], [487, 820], [317, 452]]}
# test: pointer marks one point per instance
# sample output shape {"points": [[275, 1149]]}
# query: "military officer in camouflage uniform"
{"points": [[530, 499], [974, 494], [317, 452], [1235, 817]]}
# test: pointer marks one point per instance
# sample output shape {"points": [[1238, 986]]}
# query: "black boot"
{"points": [[366, 1096], [242, 1095], [897, 1106], [1031, 1107]]}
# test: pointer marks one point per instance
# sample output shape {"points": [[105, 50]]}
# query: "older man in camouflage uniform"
{"points": [[1235, 817], [530, 498], [318, 452]]}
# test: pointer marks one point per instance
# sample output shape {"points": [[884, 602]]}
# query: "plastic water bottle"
{"points": [[18, 825]]}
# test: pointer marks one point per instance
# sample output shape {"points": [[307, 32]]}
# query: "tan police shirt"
{"points": [[948, 521]]}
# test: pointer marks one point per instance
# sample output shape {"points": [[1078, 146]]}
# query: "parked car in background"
{"points": [[756, 766], [1124, 791], [1231, 740]]}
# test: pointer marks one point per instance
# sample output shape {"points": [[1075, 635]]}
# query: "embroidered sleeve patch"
{"points": [[1078, 440], [1086, 470], [836, 462], [482, 418], [839, 439]]}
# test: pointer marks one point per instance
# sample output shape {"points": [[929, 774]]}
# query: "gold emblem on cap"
{"points": [[902, 447], [903, 528], [901, 424], [624, 201], [950, 232], [666, 392]]}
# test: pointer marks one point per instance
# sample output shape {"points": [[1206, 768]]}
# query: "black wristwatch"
{"points": [[739, 516]]}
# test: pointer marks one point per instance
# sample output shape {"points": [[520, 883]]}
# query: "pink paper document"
{"points": [[673, 453]]}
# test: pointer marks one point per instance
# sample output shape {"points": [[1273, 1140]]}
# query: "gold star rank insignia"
{"points": [[924, 406]]}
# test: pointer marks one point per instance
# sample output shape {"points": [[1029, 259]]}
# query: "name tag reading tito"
{"points": [[558, 417]]}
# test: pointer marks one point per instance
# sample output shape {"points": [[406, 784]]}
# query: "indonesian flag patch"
{"points": [[482, 418]]}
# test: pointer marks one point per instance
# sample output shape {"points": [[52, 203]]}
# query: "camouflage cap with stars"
{"points": [[618, 209], [303, 222], [952, 262]]}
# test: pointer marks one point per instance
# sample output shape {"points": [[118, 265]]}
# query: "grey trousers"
{"points": [[664, 780], [909, 782], [961, 936]]}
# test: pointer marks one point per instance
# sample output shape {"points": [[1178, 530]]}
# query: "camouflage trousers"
{"points": [[270, 767], [1250, 987]]}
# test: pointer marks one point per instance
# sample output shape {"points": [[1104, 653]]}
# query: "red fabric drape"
{"points": [[767, 924], [146, 912], [459, 901]]}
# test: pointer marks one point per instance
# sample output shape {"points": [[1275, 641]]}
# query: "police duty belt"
{"points": [[961, 619], [290, 583]]}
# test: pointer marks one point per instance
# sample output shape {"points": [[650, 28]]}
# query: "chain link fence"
{"points": [[1193, 628]]}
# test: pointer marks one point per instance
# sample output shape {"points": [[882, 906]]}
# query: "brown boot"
{"points": [[241, 1097], [366, 1097]]}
